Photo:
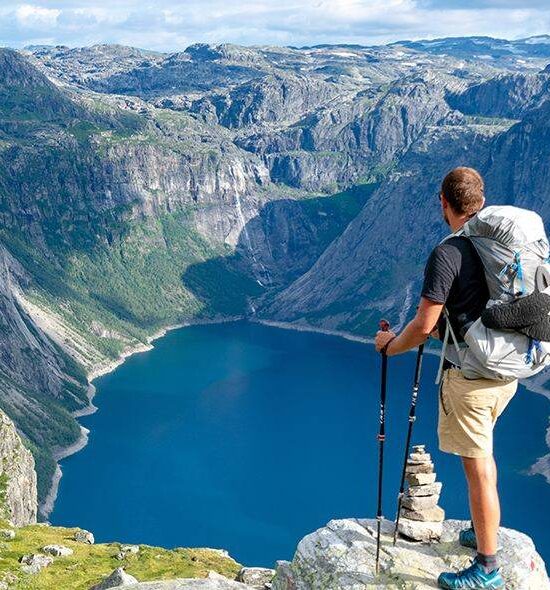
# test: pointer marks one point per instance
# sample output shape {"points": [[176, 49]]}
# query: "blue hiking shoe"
{"points": [[472, 578], [467, 538]]}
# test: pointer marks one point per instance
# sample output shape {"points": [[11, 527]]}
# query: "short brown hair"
{"points": [[463, 189]]}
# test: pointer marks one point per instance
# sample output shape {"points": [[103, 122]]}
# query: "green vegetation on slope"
{"points": [[115, 296], [135, 285], [332, 214], [90, 563]]}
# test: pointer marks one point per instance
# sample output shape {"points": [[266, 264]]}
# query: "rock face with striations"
{"points": [[18, 501], [341, 556]]}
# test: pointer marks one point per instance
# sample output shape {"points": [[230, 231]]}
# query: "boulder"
{"points": [[258, 577], [130, 548], [82, 536], [57, 550], [126, 550], [7, 534], [34, 562], [341, 556], [118, 578]]}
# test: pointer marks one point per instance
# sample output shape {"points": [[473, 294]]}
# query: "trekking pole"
{"points": [[384, 326], [412, 418]]}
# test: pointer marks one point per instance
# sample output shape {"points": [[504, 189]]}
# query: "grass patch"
{"points": [[90, 563]]}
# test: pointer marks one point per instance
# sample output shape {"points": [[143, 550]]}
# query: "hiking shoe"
{"points": [[472, 578], [467, 538]]}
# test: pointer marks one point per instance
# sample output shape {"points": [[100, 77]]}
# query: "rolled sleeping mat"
{"points": [[528, 315]]}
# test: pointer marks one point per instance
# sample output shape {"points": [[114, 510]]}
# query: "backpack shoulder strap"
{"points": [[456, 234], [448, 331]]}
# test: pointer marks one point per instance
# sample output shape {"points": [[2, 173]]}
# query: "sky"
{"points": [[173, 25]]}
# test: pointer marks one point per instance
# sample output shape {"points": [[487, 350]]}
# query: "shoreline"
{"points": [[309, 328], [47, 505], [540, 467]]}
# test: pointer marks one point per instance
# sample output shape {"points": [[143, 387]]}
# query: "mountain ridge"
{"points": [[142, 190]]}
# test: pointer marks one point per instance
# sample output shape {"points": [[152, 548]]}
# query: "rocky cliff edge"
{"points": [[18, 500], [341, 556]]}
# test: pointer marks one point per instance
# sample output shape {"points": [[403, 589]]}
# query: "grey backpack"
{"points": [[514, 251]]}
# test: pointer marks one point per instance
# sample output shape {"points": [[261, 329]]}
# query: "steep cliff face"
{"points": [[519, 170], [367, 271], [510, 96], [272, 98], [18, 497]]}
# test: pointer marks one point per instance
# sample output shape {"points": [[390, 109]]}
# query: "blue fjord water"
{"points": [[247, 437]]}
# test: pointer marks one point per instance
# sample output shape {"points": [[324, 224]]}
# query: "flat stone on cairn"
{"points": [[421, 518]]}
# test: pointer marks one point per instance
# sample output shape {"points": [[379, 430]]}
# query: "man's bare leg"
{"points": [[481, 475], [485, 509]]}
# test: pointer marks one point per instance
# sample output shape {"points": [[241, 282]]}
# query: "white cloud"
{"points": [[29, 15], [173, 24]]}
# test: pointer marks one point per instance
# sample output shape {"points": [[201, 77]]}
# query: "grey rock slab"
{"points": [[415, 458], [341, 556], [116, 579], [420, 479], [420, 531], [256, 576], [419, 467], [7, 534], [432, 489], [435, 514], [57, 550], [420, 502]]}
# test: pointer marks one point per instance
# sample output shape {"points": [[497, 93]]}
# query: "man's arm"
{"points": [[416, 332]]}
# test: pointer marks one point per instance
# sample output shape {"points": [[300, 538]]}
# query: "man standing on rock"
{"points": [[454, 279]]}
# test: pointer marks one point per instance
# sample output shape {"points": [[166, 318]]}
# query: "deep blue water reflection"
{"points": [[247, 437]]}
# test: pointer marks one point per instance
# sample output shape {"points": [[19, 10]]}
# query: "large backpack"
{"points": [[514, 251]]}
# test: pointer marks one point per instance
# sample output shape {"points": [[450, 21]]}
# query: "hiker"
{"points": [[454, 282]]}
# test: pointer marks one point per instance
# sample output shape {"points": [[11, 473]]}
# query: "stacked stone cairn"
{"points": [[421, 518]]}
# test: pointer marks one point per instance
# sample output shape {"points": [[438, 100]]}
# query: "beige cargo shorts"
{"points": [[468, 411]]}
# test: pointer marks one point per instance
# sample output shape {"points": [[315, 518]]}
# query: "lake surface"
{"points": [[247, 437]]}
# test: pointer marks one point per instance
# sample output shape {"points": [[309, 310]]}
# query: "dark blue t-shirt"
{"points": [[454, 276]]}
